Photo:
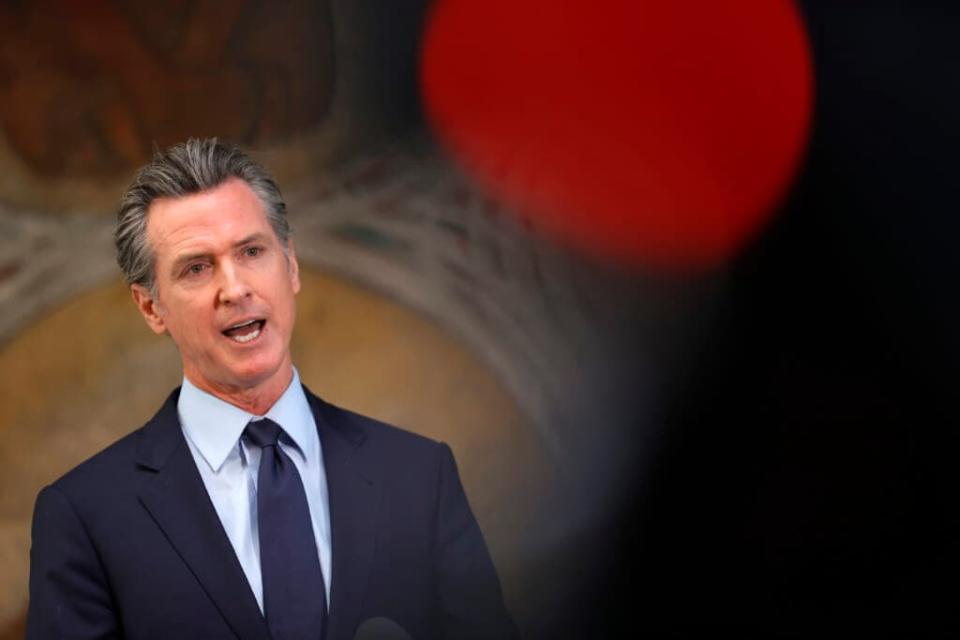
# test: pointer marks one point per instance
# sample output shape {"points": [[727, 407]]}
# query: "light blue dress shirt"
{"points": [[229, 466]]}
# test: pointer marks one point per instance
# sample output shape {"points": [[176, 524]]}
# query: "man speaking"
{"points": [[247, 507]]}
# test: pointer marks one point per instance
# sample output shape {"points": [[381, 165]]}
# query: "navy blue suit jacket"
{"points": [[129, 545]]}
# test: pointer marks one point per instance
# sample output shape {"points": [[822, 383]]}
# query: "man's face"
{"points": [[225, 288]]}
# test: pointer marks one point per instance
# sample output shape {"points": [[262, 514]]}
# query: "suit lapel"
{"points": [[354, 497], [177, 500]]}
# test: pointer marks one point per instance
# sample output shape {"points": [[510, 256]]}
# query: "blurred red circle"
{"points": [[659, 133]]}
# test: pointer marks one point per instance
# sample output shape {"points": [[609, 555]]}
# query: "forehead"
{"points": [[206, 220]]}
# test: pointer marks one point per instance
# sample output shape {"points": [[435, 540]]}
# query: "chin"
{"points": [[251, 374]]}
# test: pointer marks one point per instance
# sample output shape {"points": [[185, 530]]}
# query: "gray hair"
{"points": [[184, 169]]}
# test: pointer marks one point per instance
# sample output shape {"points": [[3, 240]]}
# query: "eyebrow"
{"points": [[179, 263]]}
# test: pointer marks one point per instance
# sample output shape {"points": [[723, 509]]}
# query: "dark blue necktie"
{"points": [[294, 599]]}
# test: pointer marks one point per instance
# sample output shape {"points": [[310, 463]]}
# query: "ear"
{"points": [[149, 308], [293, 267]]}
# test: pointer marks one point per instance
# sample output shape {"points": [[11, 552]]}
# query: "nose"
{"points": [[233, 285]]}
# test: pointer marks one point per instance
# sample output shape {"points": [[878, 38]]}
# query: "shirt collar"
{"points": [[292, 412], [214, 426]]}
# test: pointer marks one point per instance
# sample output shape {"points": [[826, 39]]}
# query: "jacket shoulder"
{"points": [[377, 430], [114, 468], [101, 469], [358, 428]]}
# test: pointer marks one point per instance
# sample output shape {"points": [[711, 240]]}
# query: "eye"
{"points": [[195, 269], [253, 252]]}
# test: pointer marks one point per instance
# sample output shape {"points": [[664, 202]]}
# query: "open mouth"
{"points": [[245, 331]]}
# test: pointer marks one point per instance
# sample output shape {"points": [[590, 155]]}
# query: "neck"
{"points": [[257, 399]]}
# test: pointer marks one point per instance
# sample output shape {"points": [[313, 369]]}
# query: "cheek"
{"points": [[286, 312], [190, 323]]}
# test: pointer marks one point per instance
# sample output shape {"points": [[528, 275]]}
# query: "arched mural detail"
{"points": [[87, 88]]}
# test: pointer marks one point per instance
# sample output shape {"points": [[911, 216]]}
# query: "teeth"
{"points": [[242, 324], [248, 337]]}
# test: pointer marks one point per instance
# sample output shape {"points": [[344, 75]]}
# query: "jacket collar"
{"points": [[354, 490], [178, 502]]}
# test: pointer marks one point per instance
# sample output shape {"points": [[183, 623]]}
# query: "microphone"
{"points": [[380, 628]]}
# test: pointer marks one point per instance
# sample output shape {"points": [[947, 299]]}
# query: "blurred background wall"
{"points": [[765, 445]]}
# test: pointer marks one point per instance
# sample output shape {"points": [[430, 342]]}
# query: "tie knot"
{"points": [[263, 433]]}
